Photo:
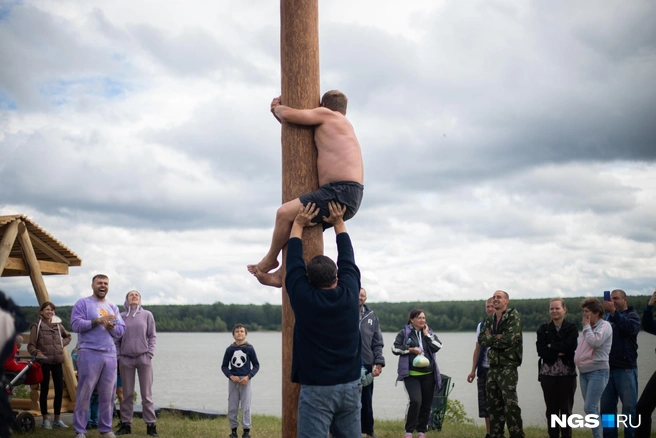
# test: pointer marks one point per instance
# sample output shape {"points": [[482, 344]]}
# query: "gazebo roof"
{"points": [[54, 257]]}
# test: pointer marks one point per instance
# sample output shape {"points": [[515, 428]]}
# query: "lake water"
{"points": [[188, 374]]}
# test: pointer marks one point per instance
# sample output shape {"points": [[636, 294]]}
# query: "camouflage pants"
{"points": [[502, 403]]}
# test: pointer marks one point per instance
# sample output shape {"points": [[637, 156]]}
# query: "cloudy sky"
{"points": [[507, 144]]}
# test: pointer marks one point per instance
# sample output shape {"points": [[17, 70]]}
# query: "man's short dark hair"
{"points": [[102, 276], [620, 291], [321, 271], [335, 100]]}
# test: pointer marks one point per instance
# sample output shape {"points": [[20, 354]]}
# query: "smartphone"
{"points": [[606, 295]]}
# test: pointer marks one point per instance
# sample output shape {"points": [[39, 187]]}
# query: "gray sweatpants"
{"points": [[144, 366], [239, 393]]}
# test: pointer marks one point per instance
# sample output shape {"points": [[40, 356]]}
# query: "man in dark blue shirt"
{"points": [[623, 360], [326, 360]]}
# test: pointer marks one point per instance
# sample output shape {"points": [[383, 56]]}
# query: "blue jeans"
{"points": [[93, 409], [592, 386], [321, 406], [622, 384]]}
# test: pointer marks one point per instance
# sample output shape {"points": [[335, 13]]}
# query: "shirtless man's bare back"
{"points": [[340, 169]]}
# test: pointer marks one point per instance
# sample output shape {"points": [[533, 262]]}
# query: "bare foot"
{"points": [[264, 266], [268, 279]]}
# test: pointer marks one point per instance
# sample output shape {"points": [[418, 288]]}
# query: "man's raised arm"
{"points": [[295, 265], [348, 271], [310, 117]]}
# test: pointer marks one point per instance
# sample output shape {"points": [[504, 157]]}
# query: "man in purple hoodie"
{"points": [[135, 353], [98, 324]]}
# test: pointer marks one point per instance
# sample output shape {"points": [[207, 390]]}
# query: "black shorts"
{"points": [[347, 193]]}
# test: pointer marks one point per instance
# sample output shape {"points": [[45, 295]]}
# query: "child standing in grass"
{"points": [[240, 365]]}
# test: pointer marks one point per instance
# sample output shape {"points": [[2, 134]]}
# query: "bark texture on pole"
{"points": [[299, 49], [33, 265]]}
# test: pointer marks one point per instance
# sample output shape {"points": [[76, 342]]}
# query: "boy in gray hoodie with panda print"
{"points": [[135, 353]]}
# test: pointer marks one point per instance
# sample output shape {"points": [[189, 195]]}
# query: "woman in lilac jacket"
{"points": [[135, 353]]}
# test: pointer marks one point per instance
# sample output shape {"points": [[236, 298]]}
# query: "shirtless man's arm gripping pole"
{"points": [[340, 169]]}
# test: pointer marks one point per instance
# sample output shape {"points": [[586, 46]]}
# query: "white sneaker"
{"points": [[80, 435], [109, 434], [58, 424], [46, 425]]}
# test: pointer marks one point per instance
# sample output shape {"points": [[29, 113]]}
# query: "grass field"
{"points": [[171, 425]]}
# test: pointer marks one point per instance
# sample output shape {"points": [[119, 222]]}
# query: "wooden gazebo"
{"points": [[26, 249]]}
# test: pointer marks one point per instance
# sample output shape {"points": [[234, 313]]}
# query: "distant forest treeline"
{"points": [[441, 316]]}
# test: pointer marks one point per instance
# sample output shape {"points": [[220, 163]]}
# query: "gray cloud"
{"points": [[43, 61]]}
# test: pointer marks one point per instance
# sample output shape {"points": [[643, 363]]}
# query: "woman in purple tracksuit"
{"points": [[135, 353]]}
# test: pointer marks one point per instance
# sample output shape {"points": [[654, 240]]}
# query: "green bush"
{"points": [[22, 391], [455, 413]]}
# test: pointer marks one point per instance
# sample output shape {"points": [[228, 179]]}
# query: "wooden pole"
{"points": [[42, 296], [33, 264], [7, 243], [299, 49]]}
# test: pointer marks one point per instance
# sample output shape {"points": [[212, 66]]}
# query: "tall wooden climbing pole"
{"points": [[299, 53]]}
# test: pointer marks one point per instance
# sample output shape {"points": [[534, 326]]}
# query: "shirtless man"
{"points": [[340, 169]]}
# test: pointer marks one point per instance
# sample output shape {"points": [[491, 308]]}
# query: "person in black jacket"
{"points": [[326, 358], [372, 360], [556, 344], [623, 361]]}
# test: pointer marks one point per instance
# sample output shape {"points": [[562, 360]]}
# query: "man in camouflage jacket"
{"points": [[502, 333]]}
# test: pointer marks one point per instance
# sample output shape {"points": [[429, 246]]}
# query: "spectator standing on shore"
{"points": [[623, 361], [372, 360], [416, 345], [556, 344], [49, 338], [136, 349], [240, 365], [647, 402], [502, 334], [98, 324], [480, 367], [591, 357]]}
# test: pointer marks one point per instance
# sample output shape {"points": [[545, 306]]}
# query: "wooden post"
{"points": [[42, 296], [7, 243], [70, 379], [33, 265], [299, 49]]}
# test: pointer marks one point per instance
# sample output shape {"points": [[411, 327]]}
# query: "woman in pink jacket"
{"points": [[591, 357]]}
